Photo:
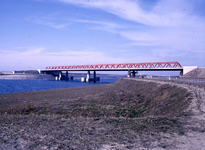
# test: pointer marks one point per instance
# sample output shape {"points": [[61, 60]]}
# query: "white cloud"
{"points": [[39, 58], [170, 29], [52, 20], [166, 12], [101, 25], [170, 24]]}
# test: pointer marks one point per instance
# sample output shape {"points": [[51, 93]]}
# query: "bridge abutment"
{"points": [[187, 69]]}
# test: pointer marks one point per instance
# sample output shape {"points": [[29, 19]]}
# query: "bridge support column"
{"points": [[129, 74], [88, 77], [83, 79], [56, 78], [66, 76], [94, 76], [181, 73], [60, 75], [133, 73]]}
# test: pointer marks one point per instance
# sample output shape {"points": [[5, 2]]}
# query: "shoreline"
{"points": [[16, 86]]}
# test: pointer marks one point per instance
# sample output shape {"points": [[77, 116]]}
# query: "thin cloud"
{"points": [[101, 25], [168, 29], [169, 24], [162, 14], [53, 21], [38, 57]]}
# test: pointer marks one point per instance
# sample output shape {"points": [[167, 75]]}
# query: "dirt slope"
{"points": [[127, 98], [198, 73]]}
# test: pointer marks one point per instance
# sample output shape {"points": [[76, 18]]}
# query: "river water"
{"points": [[12, 86]]}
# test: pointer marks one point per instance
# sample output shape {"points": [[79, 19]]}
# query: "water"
{"points": [[12, 86]]}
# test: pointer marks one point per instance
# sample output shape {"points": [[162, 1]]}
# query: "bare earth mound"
{"points": [[128, 114], [198, 73]]}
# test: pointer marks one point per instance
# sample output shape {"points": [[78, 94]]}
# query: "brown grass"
{"points": [[128, 112], [124, 98]]}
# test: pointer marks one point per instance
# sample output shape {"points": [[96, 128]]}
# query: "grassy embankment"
{"points": [[125, 112], [124, 98]]}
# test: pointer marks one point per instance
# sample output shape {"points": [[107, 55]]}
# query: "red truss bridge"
{"points": [[132, 69], [119, 67]]}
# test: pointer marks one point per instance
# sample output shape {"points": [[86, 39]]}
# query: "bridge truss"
{"points": [[153, 65]]}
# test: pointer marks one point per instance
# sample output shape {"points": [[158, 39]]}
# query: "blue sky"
{"points": [[39, 33]]}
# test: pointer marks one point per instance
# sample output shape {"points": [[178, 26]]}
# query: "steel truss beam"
{"points": [[152, 65]]}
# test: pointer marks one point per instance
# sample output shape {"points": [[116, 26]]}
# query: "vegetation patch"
{"points": [[124, 98], [128, 114]]}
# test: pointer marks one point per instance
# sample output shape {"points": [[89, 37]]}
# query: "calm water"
{"points": [[12, 86]]}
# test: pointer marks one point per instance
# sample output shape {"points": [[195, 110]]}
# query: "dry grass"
{"points": [[123, 98], [127, 114], [27, 109]]}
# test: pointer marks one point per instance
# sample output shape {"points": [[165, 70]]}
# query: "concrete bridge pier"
{"points": [[66, 76], [181, 73], [88, 77], [60, 76], [128, 74], [133, 73], [94, 76], [56, 78], [83, 79]]}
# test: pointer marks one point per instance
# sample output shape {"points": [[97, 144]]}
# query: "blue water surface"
{"points": [[12, 86]]}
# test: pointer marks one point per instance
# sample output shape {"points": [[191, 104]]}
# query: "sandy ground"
{"points": [[58, 131]]}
